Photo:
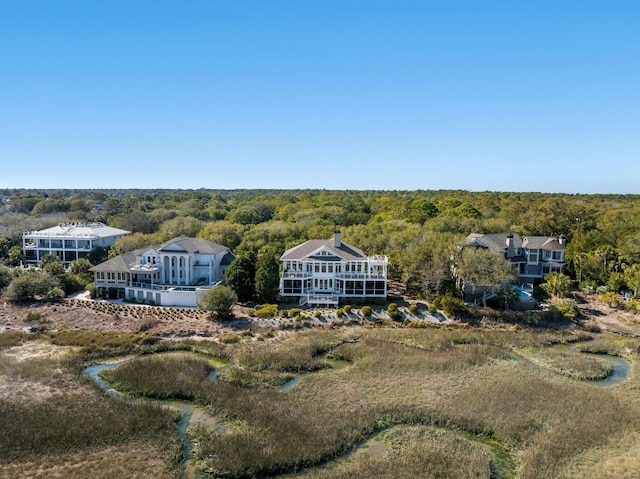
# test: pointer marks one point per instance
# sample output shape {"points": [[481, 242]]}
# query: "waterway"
{"points": [[191, 414]]}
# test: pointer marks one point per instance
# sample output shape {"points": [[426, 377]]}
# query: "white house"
{"points": [[172, 274], [323, 272], [68, 241], [534, 256]]}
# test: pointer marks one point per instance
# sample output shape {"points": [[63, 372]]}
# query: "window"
{"points": [[533, 256], [558, 255], [330, 268], [324, 268], [292, 286]]}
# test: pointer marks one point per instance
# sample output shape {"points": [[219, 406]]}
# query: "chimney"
{"points": [[510, 250], [337, 242], [562, 240]]}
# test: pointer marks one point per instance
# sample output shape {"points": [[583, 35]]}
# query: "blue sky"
{"points": [[335, 94]]}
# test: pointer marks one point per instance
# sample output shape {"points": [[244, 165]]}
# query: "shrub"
{"points": [[91, 287], [452, 307], [347, 309], [587, 286], [293, 312], [31, 284], [317, 314], [267, 311], [611, 299], [567, 307], [367, 311], [229, 338], [393, 312], [31, 317], [433, 310], [147, 324], [251, 312], [219, 301], [340, 312], [634, 306], [413, 309]]}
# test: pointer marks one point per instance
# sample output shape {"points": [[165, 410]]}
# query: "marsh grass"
{"points": [[134, 460], [77, 419], [411, 451], [162, 377], [246, 378], [575, 365], [615, 346], [460, 379], [9, 339]]}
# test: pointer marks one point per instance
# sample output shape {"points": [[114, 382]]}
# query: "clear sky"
{"points": [[336, 94]]}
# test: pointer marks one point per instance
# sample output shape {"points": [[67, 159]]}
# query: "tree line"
{"points": [[418, 230]]}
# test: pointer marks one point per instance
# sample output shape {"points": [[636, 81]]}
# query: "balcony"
{"points": [[360, 275], [292, 274], [145, 268], [378, 258]]}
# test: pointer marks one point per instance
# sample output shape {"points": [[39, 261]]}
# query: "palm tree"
{"points": [[558, 284]]}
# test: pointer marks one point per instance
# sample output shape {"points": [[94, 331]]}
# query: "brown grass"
{"points": [[132, 461]]}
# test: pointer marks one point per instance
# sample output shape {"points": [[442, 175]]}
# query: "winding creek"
{"points": [[502, 463], [191, 414]]}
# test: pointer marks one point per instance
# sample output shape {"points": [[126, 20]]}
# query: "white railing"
{"points": [[361, 275], [296, 274]]}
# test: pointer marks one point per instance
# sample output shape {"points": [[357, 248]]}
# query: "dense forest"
{"points": [[418, 230]]}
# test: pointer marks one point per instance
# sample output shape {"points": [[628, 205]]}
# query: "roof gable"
{"points": [[308, 250], [185, 244]]}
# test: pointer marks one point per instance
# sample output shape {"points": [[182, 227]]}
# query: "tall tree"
{"points": [[632, 277], [267, 276], [484, 270], [241, 276]]}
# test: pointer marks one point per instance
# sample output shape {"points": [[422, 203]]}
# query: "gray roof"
{"points": [[191, 245], [493, 242], [498, 242], [541, 242], [121, 263], [227, 259], [307, 249]]}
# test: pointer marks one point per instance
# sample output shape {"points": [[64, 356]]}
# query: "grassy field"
{"points": [[414, 402]]}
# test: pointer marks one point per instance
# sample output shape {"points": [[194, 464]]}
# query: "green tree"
{"points": [[484, 270], [6, 275], [632, 277], [180, 226], [80, 266], [507, 297], [557, 284], [222, 232], [32, 284], [267, 276], [98, 255], [241, 276], [616, 282], [421, 210], [52, 265], [219, 301], [15, 255]]}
